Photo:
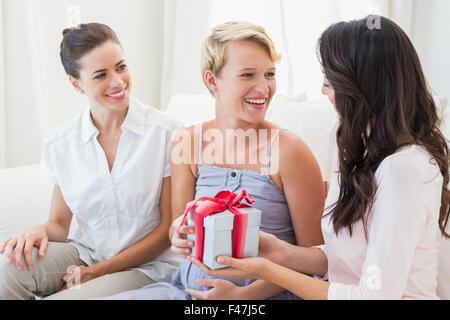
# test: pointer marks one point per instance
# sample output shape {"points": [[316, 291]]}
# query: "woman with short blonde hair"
{"points": [[213, 48], [238, 68]]}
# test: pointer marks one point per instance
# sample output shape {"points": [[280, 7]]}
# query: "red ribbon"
{"points": [[222, 201]]}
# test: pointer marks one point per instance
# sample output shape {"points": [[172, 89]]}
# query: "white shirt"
{"points": [[399, 261], [114, 209]]}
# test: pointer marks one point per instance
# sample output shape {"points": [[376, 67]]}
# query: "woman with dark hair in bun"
{"points": [[388, 201], [110, 167]]}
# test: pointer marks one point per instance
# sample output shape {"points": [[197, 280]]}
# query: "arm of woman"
{"points": [[226, 290], [408, 195], [56, 229], [183, 186], [147, 248], [303, 188], [302, 285], [271, 249], [277, 262], [60, 218]]}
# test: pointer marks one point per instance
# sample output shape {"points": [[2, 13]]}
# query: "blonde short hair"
{"points": [[213, 48]]}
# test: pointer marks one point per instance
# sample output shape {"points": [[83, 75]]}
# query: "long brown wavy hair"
{"points": [[384, 102]]}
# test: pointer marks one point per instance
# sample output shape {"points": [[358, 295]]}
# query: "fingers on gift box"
{"points": [[224, 226]]}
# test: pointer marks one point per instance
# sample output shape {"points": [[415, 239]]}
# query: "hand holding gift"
{"points": [[180, 243], [271, 250], [223, 226]]}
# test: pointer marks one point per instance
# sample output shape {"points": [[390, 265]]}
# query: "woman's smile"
{"points": [[256, 103], [117, 95]]}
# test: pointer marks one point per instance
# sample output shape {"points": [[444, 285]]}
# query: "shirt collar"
{"points": [[87, 126], [134, 121]]}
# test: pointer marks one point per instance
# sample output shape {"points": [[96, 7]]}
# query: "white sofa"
{"points": [[25, 193]]}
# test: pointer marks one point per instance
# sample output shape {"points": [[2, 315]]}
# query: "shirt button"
{"points": [[233, 174]]}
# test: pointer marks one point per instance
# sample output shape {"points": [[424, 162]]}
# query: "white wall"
{"points": [[2, 94], [431, 37]]}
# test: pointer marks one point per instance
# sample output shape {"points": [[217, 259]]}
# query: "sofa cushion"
{"points": [[191, 109], [25, 200], [314, 122]]}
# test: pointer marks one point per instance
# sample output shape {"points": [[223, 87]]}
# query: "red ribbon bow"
{"points": [[222, 201]]}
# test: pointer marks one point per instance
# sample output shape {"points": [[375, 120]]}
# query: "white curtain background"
{"points": [[162, 40], [2, 95]]}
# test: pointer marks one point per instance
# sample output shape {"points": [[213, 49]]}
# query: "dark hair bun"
{"points": [[67, 31], [77, 41]]}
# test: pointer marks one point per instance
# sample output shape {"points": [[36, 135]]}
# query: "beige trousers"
{"points": [[46, 277]]}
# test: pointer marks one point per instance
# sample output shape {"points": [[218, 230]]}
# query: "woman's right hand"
{"points": [[23, 243], [180, 244], [271, 248]]}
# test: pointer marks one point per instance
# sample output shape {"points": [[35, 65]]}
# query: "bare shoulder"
{"points": [[193, 131], [185, 147], [292, 146], [287, 139], [295, 154]]}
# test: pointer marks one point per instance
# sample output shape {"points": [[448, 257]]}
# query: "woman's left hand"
{"points": [[221, 290], [247, 268], [78, 275]]}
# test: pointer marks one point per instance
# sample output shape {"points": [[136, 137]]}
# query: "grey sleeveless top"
{"points": [[270, 199]]}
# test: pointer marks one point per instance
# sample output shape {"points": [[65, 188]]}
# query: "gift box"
{"points": [[223, 226]]}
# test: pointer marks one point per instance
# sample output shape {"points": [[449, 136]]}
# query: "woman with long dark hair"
{"points": [[388, 201]]}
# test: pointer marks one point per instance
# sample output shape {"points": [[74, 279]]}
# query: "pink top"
{"points": [[399, 261]]}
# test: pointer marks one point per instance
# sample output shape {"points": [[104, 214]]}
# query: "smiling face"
{"points": [[104, 77], [246, 83]]}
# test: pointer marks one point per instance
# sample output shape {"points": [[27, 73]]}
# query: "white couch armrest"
{"points": [[25, 199]]}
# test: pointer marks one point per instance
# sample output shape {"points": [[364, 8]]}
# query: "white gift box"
{"points": [[218, 230]]}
